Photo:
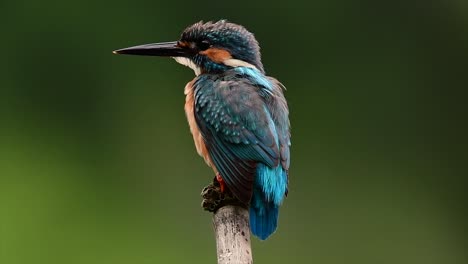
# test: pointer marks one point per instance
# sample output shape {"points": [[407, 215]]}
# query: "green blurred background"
{"points": [[97, 164]]}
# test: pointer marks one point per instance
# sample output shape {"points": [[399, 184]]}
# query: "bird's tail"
{"points": [[263, 216], [269, 189]]}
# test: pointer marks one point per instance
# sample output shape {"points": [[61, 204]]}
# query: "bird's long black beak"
{"points": [[165, 49]]}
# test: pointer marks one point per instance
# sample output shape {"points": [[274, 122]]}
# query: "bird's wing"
{"points": [[238, 131], [280, 113]]}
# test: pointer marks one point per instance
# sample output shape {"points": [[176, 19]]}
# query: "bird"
{"points": [[238, 116]]}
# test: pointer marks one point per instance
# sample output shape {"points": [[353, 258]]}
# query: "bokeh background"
{"points": [[97, 164]]}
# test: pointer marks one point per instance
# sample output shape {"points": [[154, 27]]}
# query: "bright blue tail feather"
{"points": [[269, 190], [263, 217]]}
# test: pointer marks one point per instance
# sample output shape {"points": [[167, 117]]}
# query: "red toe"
{"points": [[221, 182]]}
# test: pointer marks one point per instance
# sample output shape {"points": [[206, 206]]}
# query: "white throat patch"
{"points": [[238, 63], [229, 62], [189, 63]]}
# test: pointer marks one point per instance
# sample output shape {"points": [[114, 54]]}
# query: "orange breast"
{"points": [[197, 136]]}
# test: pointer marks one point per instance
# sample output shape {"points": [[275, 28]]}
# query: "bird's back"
{"points": [[242, 117]]}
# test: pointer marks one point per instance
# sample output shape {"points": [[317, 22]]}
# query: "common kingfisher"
{"points": [[237, 114]]}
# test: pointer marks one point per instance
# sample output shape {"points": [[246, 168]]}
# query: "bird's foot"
{"points": [[214, 197], [219, 179]]}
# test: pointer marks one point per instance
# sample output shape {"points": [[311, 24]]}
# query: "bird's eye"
{"points": [[204, 45]]}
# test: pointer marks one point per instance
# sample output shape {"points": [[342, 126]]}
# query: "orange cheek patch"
{"points": [[183, 44], [217, 55]]}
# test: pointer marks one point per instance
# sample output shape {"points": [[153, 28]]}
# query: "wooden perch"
{"points": [[231, 225]]}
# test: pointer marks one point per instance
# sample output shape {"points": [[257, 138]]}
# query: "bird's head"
{"points": [[207, 48]]}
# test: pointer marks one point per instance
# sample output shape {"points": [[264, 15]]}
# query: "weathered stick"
{"points": [[232, 231], [231, 225]]}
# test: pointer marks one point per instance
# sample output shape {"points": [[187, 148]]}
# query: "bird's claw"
{"points": [[214, 198]]}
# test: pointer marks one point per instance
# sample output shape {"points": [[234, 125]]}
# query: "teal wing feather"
{"points": [[238, 130]]}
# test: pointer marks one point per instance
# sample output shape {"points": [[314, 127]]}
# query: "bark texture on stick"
{"points": [[232, 231], [231, 225]]}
